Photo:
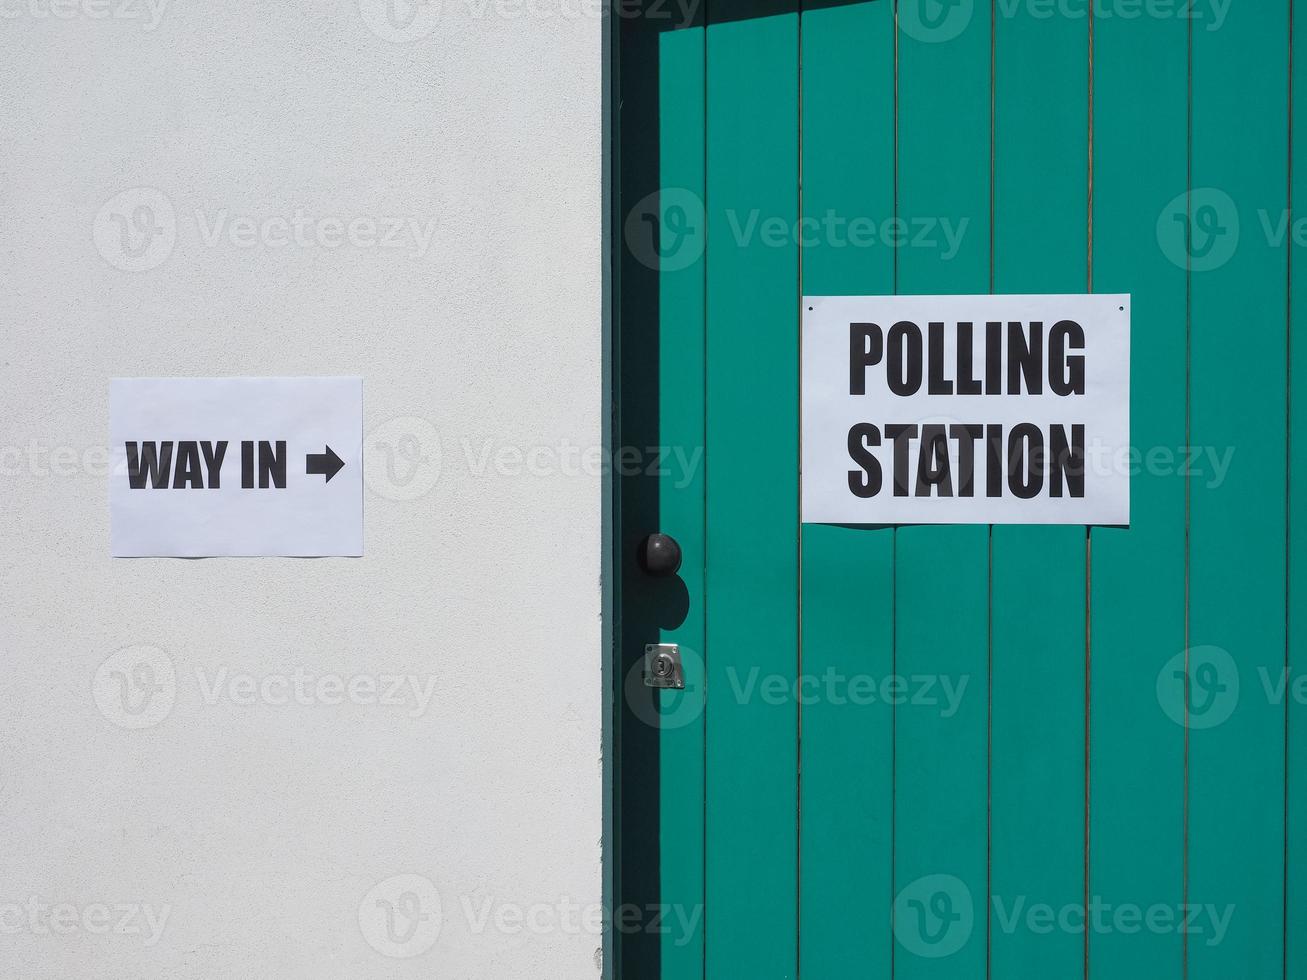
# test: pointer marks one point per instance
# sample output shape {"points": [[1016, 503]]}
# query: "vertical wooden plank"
{"points": [[1137, 607], [845, 848], [1296, 771], [637, 812], [752, 486], [942, 573], [1237, 525], [1038, 601], [681, 491]]}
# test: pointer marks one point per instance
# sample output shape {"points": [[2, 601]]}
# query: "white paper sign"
{"points": [[236, 466], [966, 409]]}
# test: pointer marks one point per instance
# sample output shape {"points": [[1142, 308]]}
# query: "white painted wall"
{"points": [[259, 830]]}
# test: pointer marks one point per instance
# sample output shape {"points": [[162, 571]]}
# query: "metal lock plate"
{"points": [[662, 666]]}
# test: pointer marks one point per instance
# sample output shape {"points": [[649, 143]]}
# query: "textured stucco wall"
{"points": [[305, 187]]}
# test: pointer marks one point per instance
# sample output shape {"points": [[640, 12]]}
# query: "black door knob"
{"points": [[660, 555]]}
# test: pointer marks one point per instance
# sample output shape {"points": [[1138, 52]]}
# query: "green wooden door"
{"points": [[1012, 752]]}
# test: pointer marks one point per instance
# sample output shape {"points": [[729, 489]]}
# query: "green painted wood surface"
{"points": [[752, 511], [845, 849], [681, 490], [1237, 528], [942, 573], [808, 840], [1038, 603], [1296, 620], [1137, 615]]}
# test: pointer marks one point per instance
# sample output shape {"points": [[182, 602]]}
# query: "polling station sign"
{"points": [[236, 466], [966, 409]]}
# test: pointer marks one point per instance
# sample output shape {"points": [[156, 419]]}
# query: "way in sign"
{"points": [[197, 465]]}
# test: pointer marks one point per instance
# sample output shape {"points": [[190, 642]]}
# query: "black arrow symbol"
{"points": [[327, 463]]}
